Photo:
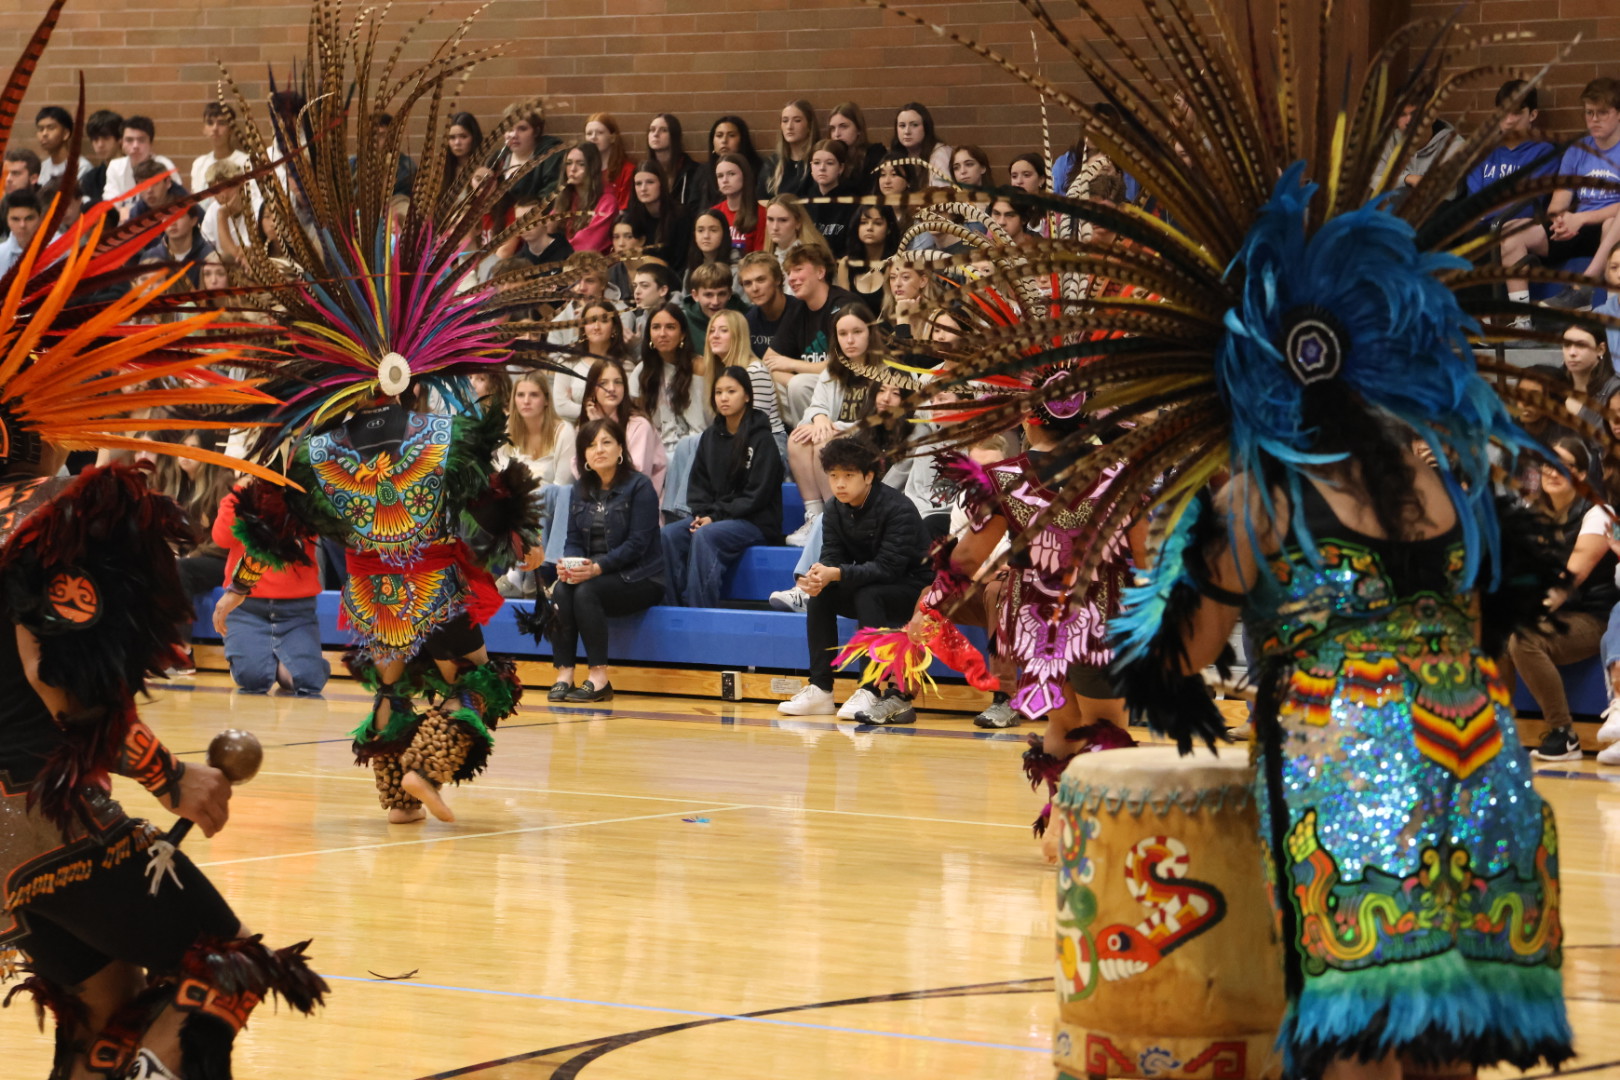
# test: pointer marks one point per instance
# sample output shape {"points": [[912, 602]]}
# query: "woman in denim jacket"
{"points": [[612, 562]]}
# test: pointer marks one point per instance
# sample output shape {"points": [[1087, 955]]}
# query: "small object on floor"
{"points": [[858, 702], [793, 600], [812, 700], [1559, 744], [411, 974], [801, 536], [559, 691], [695, 820], [1000, 714], [892, 709], [588, 691]]}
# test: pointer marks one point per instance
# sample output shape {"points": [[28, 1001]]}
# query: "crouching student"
{"points": [[273, 637], [735, 494]]}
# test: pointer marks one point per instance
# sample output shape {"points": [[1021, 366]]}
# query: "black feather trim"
{"points": [[506, 517], [268, 528], [92, 574], [540, 622], [1532, 566]]}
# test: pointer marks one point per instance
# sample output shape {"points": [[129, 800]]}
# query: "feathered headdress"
{"points": [[74, 369], [377, 255], [1285, 257]]}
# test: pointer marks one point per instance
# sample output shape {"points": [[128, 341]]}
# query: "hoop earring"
{"points": [[621, 459]]}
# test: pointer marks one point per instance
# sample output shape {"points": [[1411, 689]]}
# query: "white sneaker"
{"points": [[794, 600], [858, 701], [1610, 731], [1611, 756], [801, 536], [811, 701]]}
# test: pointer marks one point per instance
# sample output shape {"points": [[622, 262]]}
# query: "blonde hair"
{"points": [[517, 431], [809, 235], [741, 353]]}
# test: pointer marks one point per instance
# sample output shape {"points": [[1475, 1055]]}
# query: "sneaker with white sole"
{"points": [[1610, 731], [810, 701], [801, 536], [893, 709], [999, 715], [1611, 756], [858, 702], [1559, 744], [794, 600]]}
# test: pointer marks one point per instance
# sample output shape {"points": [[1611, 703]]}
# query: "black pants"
{"points": [[583, 611], [111, 915], [888, 604]]}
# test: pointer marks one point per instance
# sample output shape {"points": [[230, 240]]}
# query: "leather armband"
{"points": [[144, 759]]}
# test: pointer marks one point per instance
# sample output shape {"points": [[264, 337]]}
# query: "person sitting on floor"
{"points": [[735, 493]]}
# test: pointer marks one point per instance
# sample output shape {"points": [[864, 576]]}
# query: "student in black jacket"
{"points": [[874, 562], [735, 493], [612, 563]]}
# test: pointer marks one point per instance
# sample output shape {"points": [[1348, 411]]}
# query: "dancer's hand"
{"points": [[205, 797], [228, 602]]}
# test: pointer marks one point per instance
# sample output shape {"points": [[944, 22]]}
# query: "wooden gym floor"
{"points": [[672, 887]]}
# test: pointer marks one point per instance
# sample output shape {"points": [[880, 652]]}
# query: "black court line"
{"points": [[590, 1050], [1567, 1071]]}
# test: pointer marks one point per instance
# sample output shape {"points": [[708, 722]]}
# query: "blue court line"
{"points": [[693, 1012]]}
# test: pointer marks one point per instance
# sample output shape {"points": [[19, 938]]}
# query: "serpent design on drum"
{"points": [[1155, 873]]}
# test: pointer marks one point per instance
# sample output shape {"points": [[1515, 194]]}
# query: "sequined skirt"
{"points": [[1420, 864]]}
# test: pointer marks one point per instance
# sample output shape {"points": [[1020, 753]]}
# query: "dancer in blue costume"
{"points": [[1306, 337]]}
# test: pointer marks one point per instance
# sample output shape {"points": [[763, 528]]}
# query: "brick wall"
{"points": [[695, 58], [1555, 24]]}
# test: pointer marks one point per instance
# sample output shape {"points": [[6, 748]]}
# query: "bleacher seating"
{"points": [[1584, 684]]}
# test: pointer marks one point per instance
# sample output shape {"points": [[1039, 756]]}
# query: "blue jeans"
{"points": [[679, 474], [261, 635], [810, 554], [695, 562], [1610, 649]]}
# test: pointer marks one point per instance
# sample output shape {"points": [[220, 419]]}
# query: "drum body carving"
{"points": [[1168, 959]]}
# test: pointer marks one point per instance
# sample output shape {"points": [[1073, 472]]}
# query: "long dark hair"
{"points": [[652, 365], [892, 433], [745, 144], [660, 230], [930, 140], [588, 432], [567, 201], [1582, 468], [628, 407], [1344, 425], [748, 198], [697, 257], [737, 468], [469, 122], [836, 366], [677, 150], [856, 160], [891, 243]]}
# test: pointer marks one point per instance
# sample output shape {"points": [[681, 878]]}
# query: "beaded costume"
{"points": [[1414, 868], [392, 452], [93, 603]]}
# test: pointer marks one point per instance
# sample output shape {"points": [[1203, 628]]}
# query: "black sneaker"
{"points": [[1573, 298], [1559, 744]]}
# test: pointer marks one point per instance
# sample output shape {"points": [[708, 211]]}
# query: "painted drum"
{"points": [[1169, 963]]}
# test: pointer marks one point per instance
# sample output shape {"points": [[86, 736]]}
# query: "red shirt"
{"points": [[743, 243], [292, 583], [620, 185]]}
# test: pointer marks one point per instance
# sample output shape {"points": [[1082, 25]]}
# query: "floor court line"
{"points": [[701, 1014], [670, 798], [467, 836]]}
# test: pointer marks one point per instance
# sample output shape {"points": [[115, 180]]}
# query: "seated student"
{"points": [[136, 140], [762, 282], [222, 148], [709, 293], [21, 170], [711, 243], [798, 353], [834, 408], [1581, 532], [828, 161], [874, 562], [54, 127], [543, 241], [627, 254], [182, 243], [613, 562], [735, 495], [225, 222], [727, 345], [273, 638], [22, 217], [651, 287], [543, 441], [607, 395], [590, 285], [658, 220], [102, 131]]}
